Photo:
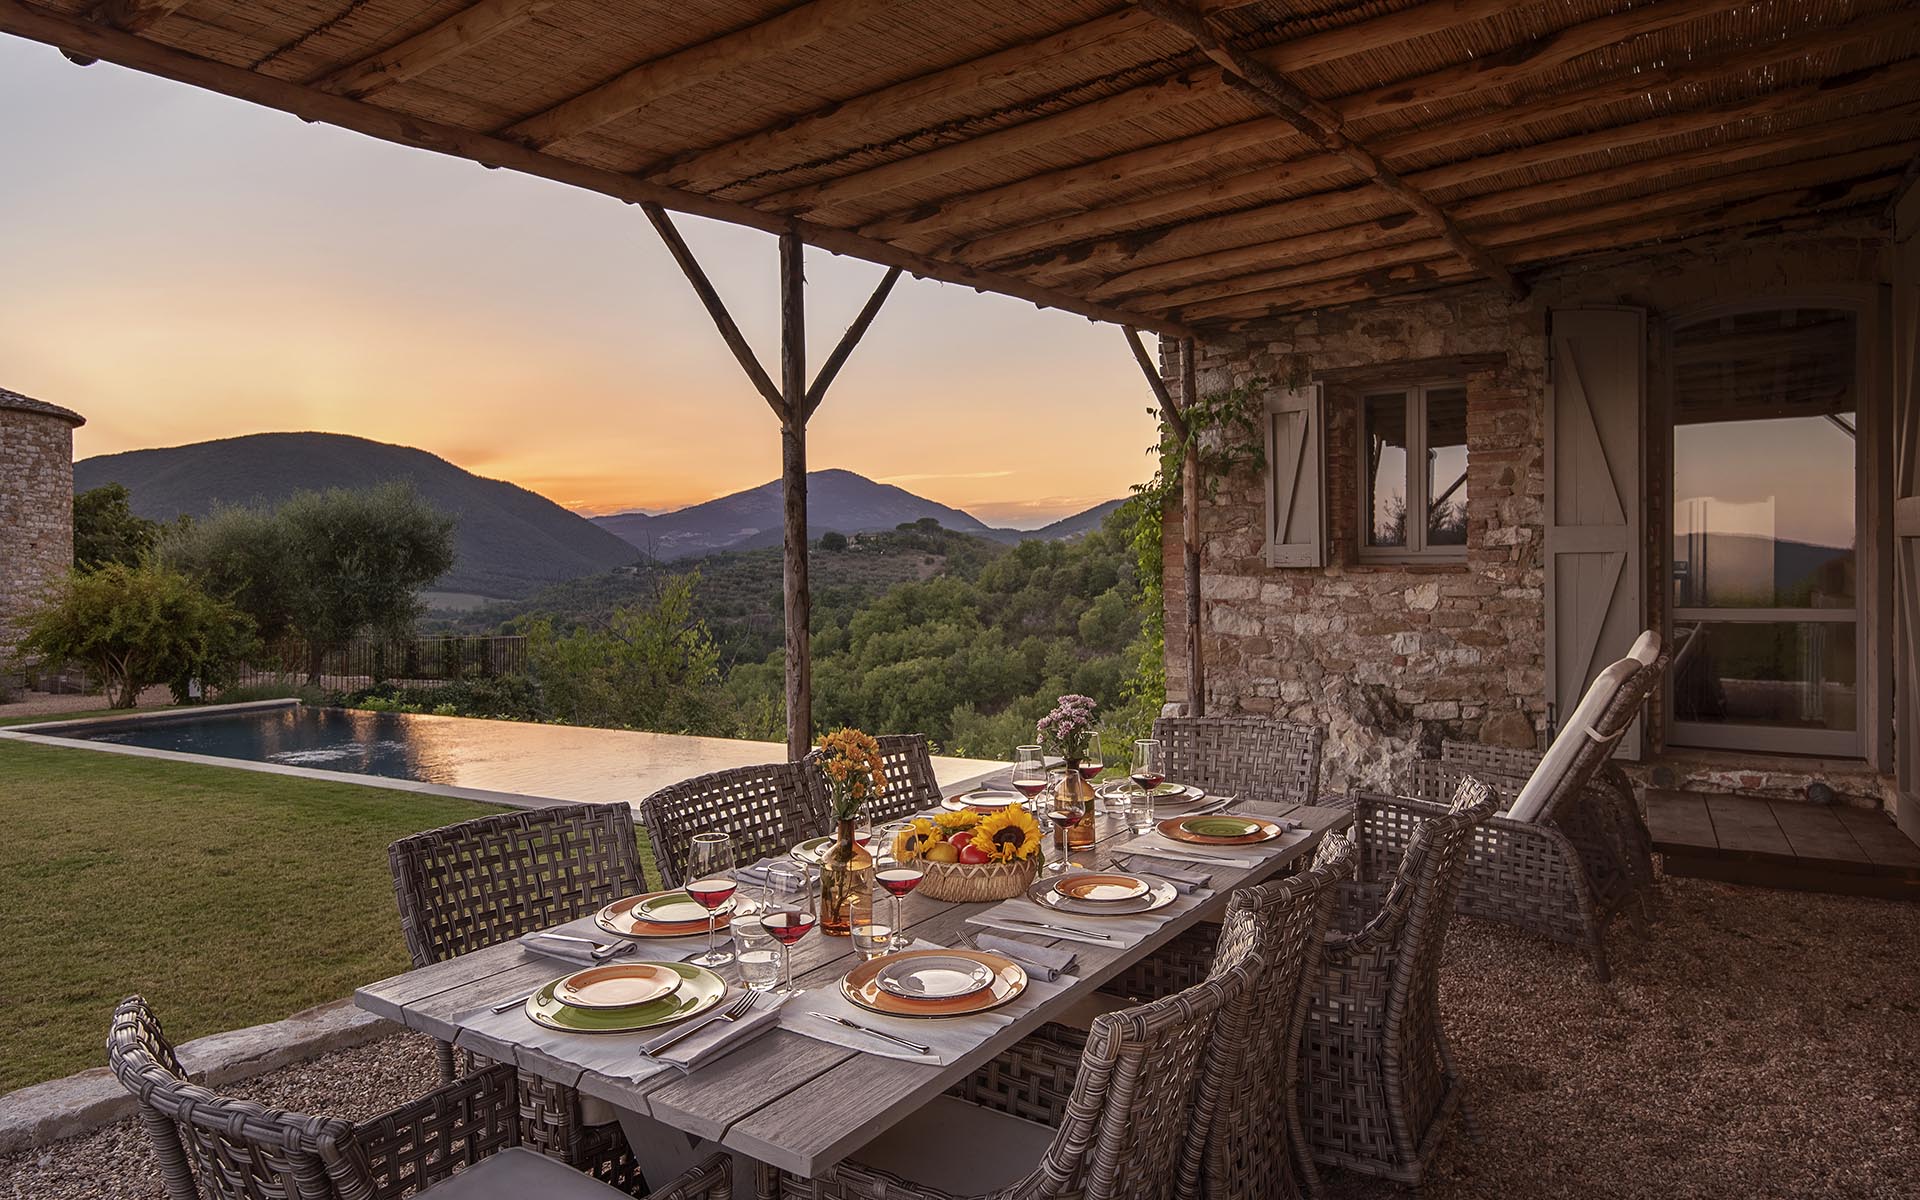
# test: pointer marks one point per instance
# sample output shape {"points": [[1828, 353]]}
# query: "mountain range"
{"points": [[511, 541]]}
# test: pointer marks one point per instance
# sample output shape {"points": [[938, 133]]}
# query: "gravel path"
{"points": [[1757, 1044]]}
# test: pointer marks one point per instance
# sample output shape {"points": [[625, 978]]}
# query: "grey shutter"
{"points": [[1906, 507], [1596, 593], [1296, 478]]}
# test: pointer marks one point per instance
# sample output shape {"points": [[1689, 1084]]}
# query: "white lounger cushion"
{"points": [[1646, 649], [1559, 757]]}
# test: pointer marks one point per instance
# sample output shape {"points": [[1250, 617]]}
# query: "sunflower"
{"points": [[951, 823], [1008, 834], [912, 841]]}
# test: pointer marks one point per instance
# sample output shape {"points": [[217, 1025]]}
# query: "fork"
{"points": [[731, 1013]]}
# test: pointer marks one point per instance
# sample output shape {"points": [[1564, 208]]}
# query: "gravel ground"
{"points": [[1757, 1044]]}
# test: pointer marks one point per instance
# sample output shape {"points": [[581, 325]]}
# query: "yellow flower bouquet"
{"points": [[968, 856]]}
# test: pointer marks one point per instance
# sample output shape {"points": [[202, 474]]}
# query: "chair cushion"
{"points": [[1554, 764], [928, 1148], [1646, 648], [518, 1173]]}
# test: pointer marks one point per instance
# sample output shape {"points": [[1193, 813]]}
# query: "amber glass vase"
{"points": [[1077, 792], [846, 879]]}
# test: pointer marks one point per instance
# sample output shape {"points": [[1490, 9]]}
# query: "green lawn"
{"points": [[228, 897]]}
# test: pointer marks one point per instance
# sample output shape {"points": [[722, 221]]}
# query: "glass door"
{"points": [[1765, 508]]}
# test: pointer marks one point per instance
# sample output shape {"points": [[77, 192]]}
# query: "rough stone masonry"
{"points": [[36, 504]]}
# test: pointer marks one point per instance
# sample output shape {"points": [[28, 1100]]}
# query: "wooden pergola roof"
{"points": [[1177, 165]]}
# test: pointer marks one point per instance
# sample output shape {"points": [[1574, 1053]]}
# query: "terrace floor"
{"points": [[1783, 844], [1757, 1043]]}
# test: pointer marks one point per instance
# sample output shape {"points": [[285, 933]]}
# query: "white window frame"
{"points": [[1416, 550]]}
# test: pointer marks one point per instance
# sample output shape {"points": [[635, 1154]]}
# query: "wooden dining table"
{"points": [[784, 1098]]}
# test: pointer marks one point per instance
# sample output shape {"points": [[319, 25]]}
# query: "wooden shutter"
{"points": [[1296, 475], [1596, 593], [1906, 507]]}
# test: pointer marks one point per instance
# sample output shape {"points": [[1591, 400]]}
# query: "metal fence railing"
{"points": [[364, 662]]}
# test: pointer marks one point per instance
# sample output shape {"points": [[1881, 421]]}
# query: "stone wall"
{"points": [[36, 505], [1393, 658]]}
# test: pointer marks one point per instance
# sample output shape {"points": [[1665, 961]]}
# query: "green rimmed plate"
{"points": [[813, 851], [1223, 829], [676, 908], [700, 989]]}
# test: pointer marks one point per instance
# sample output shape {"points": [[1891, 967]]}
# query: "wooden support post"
{"points": [[1189, 503], [849, 340], [793, 477]]}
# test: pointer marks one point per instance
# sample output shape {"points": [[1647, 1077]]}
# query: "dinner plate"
{"points": [[620, 917], [935, 977], [676, 908], [1160, 893], [699, 990], [1171, 796], [1221, 829], [813, 851], [860, 986], [984, 800], [620, 985], [1100, 887]]}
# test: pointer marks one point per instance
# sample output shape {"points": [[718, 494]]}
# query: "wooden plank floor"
{"points": [[1783, 844]]}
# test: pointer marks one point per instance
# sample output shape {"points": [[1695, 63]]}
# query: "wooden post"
{"points": [[793, 477], [1190, 542]]}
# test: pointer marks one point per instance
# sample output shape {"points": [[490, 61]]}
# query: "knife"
{"points": [[1058, 928], [916, 1047]]}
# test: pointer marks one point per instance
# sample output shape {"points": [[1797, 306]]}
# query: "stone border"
{"points": [[92, 1099]]}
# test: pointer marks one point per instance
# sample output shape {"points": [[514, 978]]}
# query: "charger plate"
{"points": [[699, 990], [620, 985], [1221, 829], [1100, 887], [620, 917], [1160, 893], [861, 987], [986, 800]]}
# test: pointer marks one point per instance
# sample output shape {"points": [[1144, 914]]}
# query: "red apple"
{"points": [[973, 855], [964, 837]]}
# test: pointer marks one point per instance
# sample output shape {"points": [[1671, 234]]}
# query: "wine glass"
{"points": [[1064, 814], [1029, 771], [1092, 762], [791, 912], [1149, 771], [899, 879], [711, 884]]}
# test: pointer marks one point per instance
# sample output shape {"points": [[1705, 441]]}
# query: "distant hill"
{"points": [[837, 500], [510, 542]]}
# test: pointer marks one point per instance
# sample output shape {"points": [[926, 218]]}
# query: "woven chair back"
{"points": [[765, 808], [478, 883], [1249, 1149], [1256, 758], [239, 1150]]}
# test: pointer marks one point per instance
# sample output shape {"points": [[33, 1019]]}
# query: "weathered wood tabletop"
{"points": [[784, 1098]]}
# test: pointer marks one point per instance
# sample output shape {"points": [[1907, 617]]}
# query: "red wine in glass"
{"points": [[900, 880], [1088, 770], [788, 925], [1148, 780], [710, 894], [1029, 787]]}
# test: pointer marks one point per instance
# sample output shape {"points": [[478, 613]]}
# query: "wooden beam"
{"points": [[1190, 541], [470, 27], [1278, 94], [1169, 411], [1155, 98], [716, 308], [133, 16], [848, 340], [640, 86], [84, 37], [1021, 198], [793, 475]]}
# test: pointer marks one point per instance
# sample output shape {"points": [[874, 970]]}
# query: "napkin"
{"points": [[717, 1038], [1185, 879], [642, 949], [1045, 962], [579, 952], [757, 873], [1021, 915], [1159, 845]]}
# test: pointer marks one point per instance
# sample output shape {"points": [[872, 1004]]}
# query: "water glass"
{"points": [[872, 936], [757, 954]]}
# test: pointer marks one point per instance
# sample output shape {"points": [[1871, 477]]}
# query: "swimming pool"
{"points": [[513, 760]]}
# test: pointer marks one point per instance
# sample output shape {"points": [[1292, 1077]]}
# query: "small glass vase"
{"points": [[1075, 791], [846, 879]]}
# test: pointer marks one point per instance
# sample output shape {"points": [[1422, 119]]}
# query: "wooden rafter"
{"points": [[848, 340], [716, 309], [134, 15], [1279, 95], [675, 72], [1170, 411], [84, 37], [470, 27]]}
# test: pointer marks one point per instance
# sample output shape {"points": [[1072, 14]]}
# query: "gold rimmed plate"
{"points": [[625, 918], [1221, 829], [699, 990], [984, 800], [1101, 886], [862, 986], [620, 985], [1170, 796], [1160, 893]]}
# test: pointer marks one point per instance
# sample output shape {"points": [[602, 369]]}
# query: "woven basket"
{"points": [[962, 883]]}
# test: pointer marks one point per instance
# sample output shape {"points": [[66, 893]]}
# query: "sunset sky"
{"points": [[179, 266]]}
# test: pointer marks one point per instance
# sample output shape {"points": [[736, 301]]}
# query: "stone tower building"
{"points": [[36, 503]]}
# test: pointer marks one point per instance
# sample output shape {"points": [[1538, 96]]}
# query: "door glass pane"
{"points": [[1447, 467], [1784, 674], [1385, 440]]}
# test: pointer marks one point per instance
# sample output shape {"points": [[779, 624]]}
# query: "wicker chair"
{"points": [[1257, 758], [911, 787], [1566, 874], [1119, 1099], [1377, 1082], [485, 881], [766, 809], [457, 1143]]}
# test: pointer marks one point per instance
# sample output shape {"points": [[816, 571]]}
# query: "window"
{"points": [[1413, 473]]}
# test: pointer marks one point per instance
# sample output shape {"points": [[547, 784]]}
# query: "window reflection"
{"points": [[1784, 674], [1447, 467], [1386, 469]]}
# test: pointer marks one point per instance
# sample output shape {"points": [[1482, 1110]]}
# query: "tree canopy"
{"points": [[107, 530]]}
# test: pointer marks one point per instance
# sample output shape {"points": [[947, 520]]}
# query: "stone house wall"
{"points": [[36, 506], [1393, 658]]}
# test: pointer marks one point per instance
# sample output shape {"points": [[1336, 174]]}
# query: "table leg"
{"points": [[664, 1152]]}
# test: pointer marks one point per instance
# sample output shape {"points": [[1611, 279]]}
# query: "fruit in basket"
{"points": [[963, 838], [943, 852], [973, 855]]}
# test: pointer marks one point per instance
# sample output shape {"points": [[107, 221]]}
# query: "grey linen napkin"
{"points": [[1187, 877], [1044, 962], [717, 1038], [643, 949]]}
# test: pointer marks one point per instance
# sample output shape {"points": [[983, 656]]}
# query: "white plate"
{"points": [[1160, 894], [984, 800], [934, 977]]}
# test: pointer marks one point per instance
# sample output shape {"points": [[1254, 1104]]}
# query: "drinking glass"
{"points": [[898, 879], [1065, 815], [711, 884], [1092, 762], [1029, 771], [791, 912], [872, 936], [1149, 771], [755, 953]]}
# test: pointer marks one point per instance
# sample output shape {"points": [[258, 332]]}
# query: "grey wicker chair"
{"points": [[459, 1142], [481, 882], [766, 809], [1257, 758], [907, 762], [1568, 873], [1119, 1098], [1377, 1081]]}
